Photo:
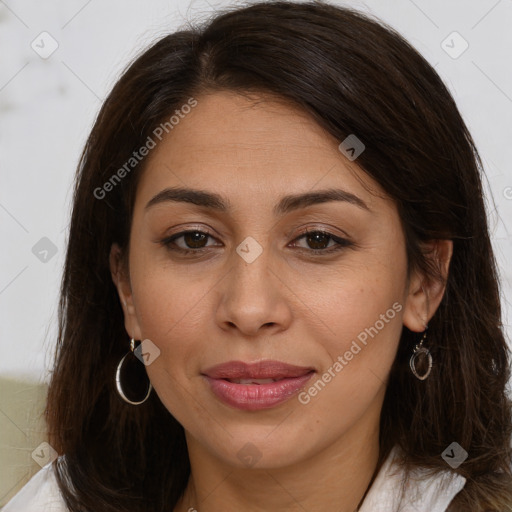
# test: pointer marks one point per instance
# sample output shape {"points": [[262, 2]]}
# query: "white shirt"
{"points": [[424, 494]]}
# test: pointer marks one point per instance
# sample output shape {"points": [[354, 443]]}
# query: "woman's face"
{"points": [[253, 287]]}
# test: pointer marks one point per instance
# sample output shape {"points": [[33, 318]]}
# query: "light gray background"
{"points": [[47, 107]]}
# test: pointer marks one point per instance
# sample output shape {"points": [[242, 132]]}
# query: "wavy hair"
{"points": [[352, 74]]}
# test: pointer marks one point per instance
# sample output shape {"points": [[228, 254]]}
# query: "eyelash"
{"points": [[341, 243]]}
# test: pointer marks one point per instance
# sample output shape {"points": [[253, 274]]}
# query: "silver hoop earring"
{"points": [[132, 365], [420, 350]]}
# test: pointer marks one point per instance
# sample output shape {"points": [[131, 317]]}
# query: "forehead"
{"points": [[245, 146]]}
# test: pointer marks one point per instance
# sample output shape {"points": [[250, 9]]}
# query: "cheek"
{"points": [[361, 310], [365, 323], [167, 296], [170, 312], [171, 317], [168, 315], [364, 330], [357, 296]]}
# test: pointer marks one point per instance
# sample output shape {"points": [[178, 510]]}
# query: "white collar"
{"points": [[423, 493]]}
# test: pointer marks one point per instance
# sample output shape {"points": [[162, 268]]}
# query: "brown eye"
{"points": [[195, 239], [318, 242], [192, 241]]}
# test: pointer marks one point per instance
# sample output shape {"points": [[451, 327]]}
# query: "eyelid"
{"points": [[169, 239], [320, 228], [339, 242]]}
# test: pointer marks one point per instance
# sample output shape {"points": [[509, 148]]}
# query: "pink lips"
{"points": [[255, 396]]}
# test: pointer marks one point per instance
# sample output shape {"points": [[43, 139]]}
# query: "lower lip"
{"points": [[254, 397]]}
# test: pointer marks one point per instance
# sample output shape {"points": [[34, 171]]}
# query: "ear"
{"points": [[424, 292], [122, 281]]}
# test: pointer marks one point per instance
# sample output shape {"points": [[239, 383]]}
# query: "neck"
{"points": [[337, 477]]}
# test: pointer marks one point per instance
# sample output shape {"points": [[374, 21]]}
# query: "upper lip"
{"points": [[265, 369]]}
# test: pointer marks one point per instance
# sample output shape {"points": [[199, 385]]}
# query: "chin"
{"points": [[263, 447]]}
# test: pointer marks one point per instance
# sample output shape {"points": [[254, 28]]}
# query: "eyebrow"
{"points": [[287, 203]]}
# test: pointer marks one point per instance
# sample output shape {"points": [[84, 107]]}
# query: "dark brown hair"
{"points": [[353, 75]]}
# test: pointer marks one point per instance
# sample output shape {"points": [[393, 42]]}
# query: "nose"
{"points": [[254, 297]]}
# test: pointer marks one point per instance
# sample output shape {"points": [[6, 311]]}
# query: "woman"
{"points": [[279, 291]]}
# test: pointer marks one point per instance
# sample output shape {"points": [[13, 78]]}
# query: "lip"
{"points": [[256, 396], [265, 369]]}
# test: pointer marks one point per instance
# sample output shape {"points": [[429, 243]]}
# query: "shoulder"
{"points": [[40, 494], [423, 492]]}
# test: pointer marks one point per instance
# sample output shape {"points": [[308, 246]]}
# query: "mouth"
{"points": [[259, 371], [252, 381], [256, 386]]}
